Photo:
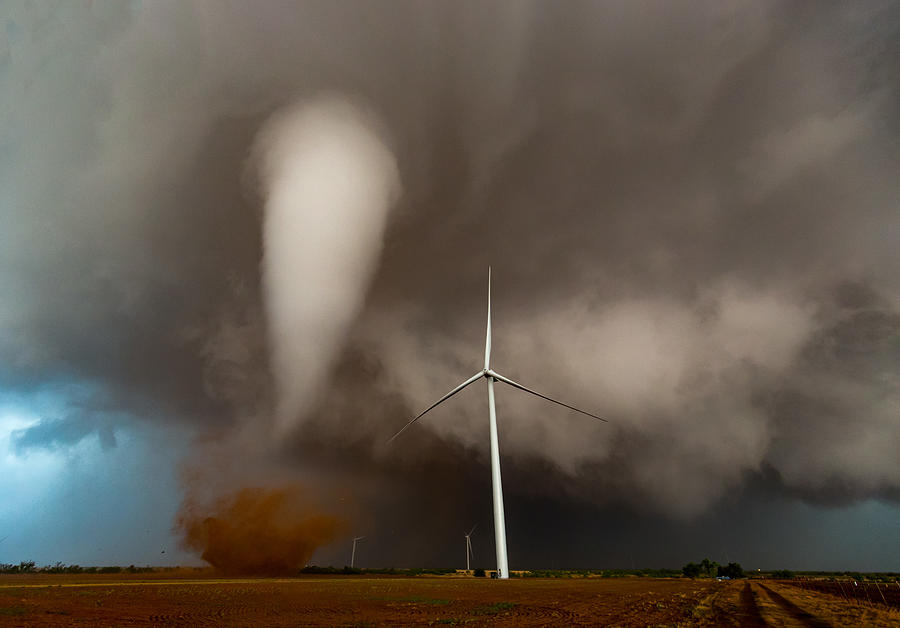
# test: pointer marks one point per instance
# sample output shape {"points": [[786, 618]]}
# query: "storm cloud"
{"points": [[690, 210]]}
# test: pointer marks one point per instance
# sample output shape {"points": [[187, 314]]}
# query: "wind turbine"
{"points": [[469, 551], [496, 482], [353, 553]]}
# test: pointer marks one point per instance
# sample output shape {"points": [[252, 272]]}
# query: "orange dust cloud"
{"points": [[257, 531]]}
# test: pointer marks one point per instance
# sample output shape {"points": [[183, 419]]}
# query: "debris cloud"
{"points": [[257, 531]]}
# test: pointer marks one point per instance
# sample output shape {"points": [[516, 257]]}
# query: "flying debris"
{"points": [[492, 376]]}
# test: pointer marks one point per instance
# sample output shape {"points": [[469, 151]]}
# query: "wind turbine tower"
{"points": [[496, 481], [469, 545], [353, 553]]}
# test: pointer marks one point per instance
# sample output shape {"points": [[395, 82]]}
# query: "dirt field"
{"points": [[61, 600], [770, 603], [853, 592]]}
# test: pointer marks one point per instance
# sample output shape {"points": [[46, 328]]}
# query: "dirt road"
{"points": [[757, 604]]}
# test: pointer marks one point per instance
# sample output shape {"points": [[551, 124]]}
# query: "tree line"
{"points": [[711, 569], [29, 566]]}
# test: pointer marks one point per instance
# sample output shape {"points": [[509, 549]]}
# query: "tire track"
{"points": [[798, 614], [749, 613]]}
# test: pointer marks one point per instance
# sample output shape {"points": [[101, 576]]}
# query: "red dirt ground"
{"points": [[141, 599]]}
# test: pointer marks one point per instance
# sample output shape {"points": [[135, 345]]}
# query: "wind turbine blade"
{"points": [[487, 337], [471, 380], [469, 545], [506, 380], [472, 530]]}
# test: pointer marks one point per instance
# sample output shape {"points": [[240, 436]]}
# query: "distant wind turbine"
{"points": [[492, 376], [353, 553], [469, 551]]}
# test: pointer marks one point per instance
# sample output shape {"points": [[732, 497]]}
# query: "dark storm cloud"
{"points": [[690, 209], [64, 431]]}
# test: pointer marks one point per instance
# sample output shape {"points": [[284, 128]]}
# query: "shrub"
{"points": [[691, 570], [479, 573]]}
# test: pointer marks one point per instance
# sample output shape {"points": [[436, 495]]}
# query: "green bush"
{"points": [[479, 573], [691, 570]]}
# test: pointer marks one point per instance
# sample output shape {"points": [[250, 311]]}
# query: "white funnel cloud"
{"points": [[329, 182]]}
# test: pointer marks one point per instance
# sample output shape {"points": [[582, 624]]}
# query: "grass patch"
{"points": [[493, 609], [418, 599]]}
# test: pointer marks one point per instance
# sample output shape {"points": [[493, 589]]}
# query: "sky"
{"points": [[243, 243]]}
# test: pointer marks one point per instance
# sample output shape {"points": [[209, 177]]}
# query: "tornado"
{"points": [[329, 181]]}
